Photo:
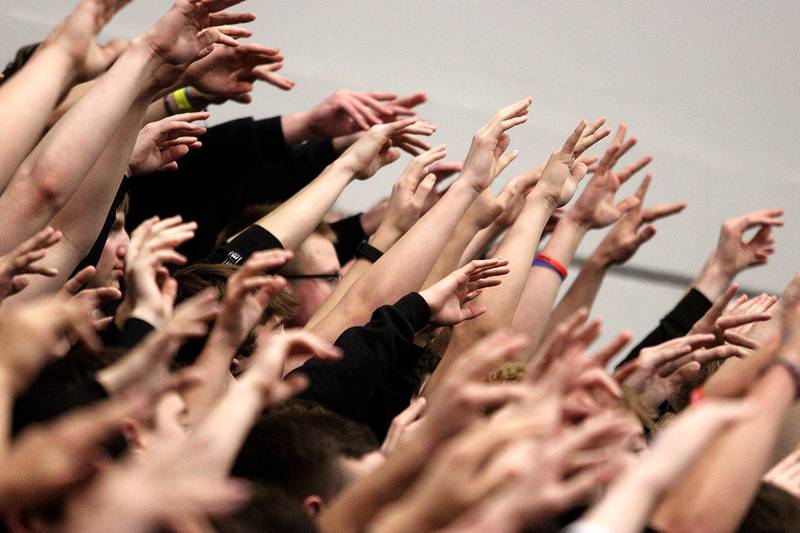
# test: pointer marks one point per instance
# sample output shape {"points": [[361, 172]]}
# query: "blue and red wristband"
{"points": [[545, 261]]}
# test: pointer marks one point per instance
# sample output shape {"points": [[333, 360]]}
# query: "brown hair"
{"points": [[199, 276]]}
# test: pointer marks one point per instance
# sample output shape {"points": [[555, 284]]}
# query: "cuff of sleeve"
{"points": [[269, 133], [134, 330], [253, 239], [689, 310], [349, 234], [416, 309]]}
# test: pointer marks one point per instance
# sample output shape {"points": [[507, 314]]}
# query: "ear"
{"points": [[132, 430], [312, 505]]}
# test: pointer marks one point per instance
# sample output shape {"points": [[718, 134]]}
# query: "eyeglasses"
{"points": [[328, 278]]}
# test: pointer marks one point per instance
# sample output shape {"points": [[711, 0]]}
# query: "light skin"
{"points": [[69, 54], [620, 244], [394, 276], [55, 178], [557, 185], [595, 208]]}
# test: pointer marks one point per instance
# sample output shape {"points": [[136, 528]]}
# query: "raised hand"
{"points": [[150, 292], [33, 332], [187, 33], [248, 293], [660, 370], [565, 169], [463, 394], [595, 208], [77, 36], [447, 298], [277, 352], [346, 112], [627, 235], [48, 460], [146, 368], [786, 474], [734, 254], [720, 326], [228, 73], [403, 425], [489, 144], [374, 150], [411, 190], [161, 144], [15, 265], [268, 73]]}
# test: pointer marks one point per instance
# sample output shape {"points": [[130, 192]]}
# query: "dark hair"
{"points": [[297, 446], [20, 58], [200, 276], [773, 511], [270, 510]]}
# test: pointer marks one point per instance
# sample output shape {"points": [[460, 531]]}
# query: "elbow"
{"points": [[42, 182]]}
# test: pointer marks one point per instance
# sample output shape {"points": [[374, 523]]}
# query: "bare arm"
{"points": [[68, 55], [404, 267]]}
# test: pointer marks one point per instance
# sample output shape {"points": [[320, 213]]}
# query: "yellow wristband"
{"points": [[182, 99]]}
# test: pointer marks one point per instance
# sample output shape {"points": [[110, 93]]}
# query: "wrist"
{"points": [[714, 278], [149, 314], [296, 127], [573, 217], [145, 58], [599, 260], [538, 196], [385, 236]]}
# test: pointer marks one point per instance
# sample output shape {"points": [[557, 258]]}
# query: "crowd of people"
{"points": [[195, 340]]}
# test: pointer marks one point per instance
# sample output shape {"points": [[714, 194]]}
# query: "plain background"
{"points": [[710, 89]]}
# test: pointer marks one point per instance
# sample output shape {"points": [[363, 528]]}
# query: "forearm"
{"points": [[297, 218], [450, 258], [73, 96], [716, 494], [582, 292], [26, 101], [213, 368], [227, 425], [404, 267], [519, 248], [361, 502], [543, 284], [6, 410], [637, 493], [714, 279], [480, 243], [51, 174]]}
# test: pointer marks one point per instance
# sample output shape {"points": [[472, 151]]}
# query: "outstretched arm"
{"points": [[404, 267], [52, 173], [556, 187], [622, 242], [69, 54]]}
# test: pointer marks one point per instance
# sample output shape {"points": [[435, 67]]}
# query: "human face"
{"points": [[111, 266], [315, 257]]}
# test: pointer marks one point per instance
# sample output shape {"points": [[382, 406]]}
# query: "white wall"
{"points": [[709, 88]]}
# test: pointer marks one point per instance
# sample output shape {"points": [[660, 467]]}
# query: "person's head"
{"points": [[313, 273], [308, 451], [773, 511], [111, 265], [269, 510]]}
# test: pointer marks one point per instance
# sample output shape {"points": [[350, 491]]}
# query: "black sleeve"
{"points": [[374, 380], [349, 234], [241, 162], [238, 250], [677, 323], [97, 248]]}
